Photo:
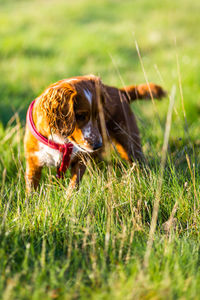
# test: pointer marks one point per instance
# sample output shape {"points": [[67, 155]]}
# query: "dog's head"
{"points": [[71, 109]]}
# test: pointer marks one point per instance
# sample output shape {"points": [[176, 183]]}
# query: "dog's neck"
{"points": [[64, 148]]}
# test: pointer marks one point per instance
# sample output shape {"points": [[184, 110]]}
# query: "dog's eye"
{"points": [[81, 116]]}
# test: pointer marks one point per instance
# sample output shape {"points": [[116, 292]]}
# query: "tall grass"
{"points": [[94, 243]]}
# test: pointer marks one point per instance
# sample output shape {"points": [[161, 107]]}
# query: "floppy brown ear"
{"points": [[57, 104]]}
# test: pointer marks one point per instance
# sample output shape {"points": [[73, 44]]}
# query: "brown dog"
{"points": [[67, 115]]}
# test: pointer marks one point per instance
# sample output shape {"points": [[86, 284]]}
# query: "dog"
{"points": [[74, 116]]}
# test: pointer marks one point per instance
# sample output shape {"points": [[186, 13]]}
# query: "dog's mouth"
{"points": [[95, 148], [83, 149]]}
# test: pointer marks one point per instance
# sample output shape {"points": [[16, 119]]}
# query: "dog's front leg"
{"points": [[33, 173], [77, 171]]}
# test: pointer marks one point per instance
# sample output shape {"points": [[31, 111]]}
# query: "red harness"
{"points": [[65, 149]]}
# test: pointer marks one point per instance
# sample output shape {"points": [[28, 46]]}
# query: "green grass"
{"points": [[94, 243]]}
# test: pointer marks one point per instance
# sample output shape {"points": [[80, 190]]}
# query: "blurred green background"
{"points": [[44, 41]]}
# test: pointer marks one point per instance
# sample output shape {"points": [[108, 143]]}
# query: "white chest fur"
{"points": [[48, 156], [51, 157]]}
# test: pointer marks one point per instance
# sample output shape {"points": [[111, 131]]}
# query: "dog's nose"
{"points": [[97, 145]]}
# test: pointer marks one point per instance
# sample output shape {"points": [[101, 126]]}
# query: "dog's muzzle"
{"points": [[97, 146]]}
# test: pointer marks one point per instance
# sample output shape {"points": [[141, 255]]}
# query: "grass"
{"points": [[94, 243]]}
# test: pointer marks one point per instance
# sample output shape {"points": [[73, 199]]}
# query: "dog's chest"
{"points": [[51, 157]]}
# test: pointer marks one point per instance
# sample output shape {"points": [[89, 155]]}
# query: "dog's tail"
{"points": [[143, 91]]}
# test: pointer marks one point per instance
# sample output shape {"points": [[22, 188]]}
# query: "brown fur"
{"points": [[64, 109]]}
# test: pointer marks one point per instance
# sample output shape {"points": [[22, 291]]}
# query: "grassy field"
{"points": [[97, 244]]}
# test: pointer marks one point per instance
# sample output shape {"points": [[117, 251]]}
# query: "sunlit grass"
{"points": [[93, 243]]}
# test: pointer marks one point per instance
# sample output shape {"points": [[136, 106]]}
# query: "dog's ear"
{"points": [[57, 103]]}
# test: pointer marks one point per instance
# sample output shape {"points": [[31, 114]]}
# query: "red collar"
{"points": [[66, 149]]}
